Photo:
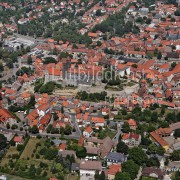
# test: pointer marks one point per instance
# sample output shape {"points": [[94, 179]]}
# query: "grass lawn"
{"points": [[11, 177], [72, 176], [31, 145], [32, 156], [106, 132], [30, 150], [130, 84], [12, 150]]}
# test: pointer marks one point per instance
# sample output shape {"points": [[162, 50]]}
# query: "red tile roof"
{"points": [[114, 168], [5, 115], [18, 139]]}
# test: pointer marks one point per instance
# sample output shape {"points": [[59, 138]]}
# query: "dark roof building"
{"points": [[114, 157], [153, 172]]}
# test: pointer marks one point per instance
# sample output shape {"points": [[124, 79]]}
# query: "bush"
{"points": [[37, 156]]}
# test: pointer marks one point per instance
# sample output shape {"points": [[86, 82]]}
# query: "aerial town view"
{"points": [[89, 89]]}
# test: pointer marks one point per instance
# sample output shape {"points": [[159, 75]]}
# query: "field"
{"points": [[11, 177], [12, 150], [36, 160], [31, 145], [28, 157]]}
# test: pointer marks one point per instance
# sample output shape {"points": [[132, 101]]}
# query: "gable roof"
{"points": [[90, 165], [5, 115]]}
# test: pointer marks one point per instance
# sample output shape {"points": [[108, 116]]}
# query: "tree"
{"points": [[50, 153], [130, 167], [153, 162], [8, 126], [177, 13], [98, 12], [159, 56], [177, 133], [9, 63], [99, 43], [163, 111], [134, 65], [173, 65], [20, 147], [48, 60], [137, 155], [81, 152], [153, 149], [122, 147], [122, 176], [1, 67], [175, 156], [29, 60], [102, 176], [34, 130], [154, 117], [126, 128], [3, 141], [67, 130]]}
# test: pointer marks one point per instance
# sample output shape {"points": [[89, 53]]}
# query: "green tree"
{"points": [[122, 147], [1, 67], [159, 56], [67, 130], [34, 130], [175, 156], [122, 176], [102, 176], [153, 162], [3, 142], [154, 117], [29, 60], [137, 155], [98, 12], [177, 133], [130, 167], [81, 152]]}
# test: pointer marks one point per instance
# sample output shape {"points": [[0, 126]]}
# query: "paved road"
{"points": [[116, 137], [74, 122], [37, 40], [72, 136]]}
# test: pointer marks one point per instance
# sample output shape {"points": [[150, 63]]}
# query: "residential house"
{"points": [[113, 170], [62, 147], [43, 109], [105, 145], [132, 124], [157, 137], [153, 173], [98, 121], [75, 167], [131, 139], [6, 117], [87, 132], [18, 140], [89, 168], [65, 153], [123, 70], [115, 158]]}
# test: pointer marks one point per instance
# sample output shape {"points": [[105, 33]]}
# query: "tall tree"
{"points": [[122, 147], [137, 155], [130, 167]]}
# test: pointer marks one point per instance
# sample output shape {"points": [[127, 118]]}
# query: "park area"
{"points": [[37, 160]]}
